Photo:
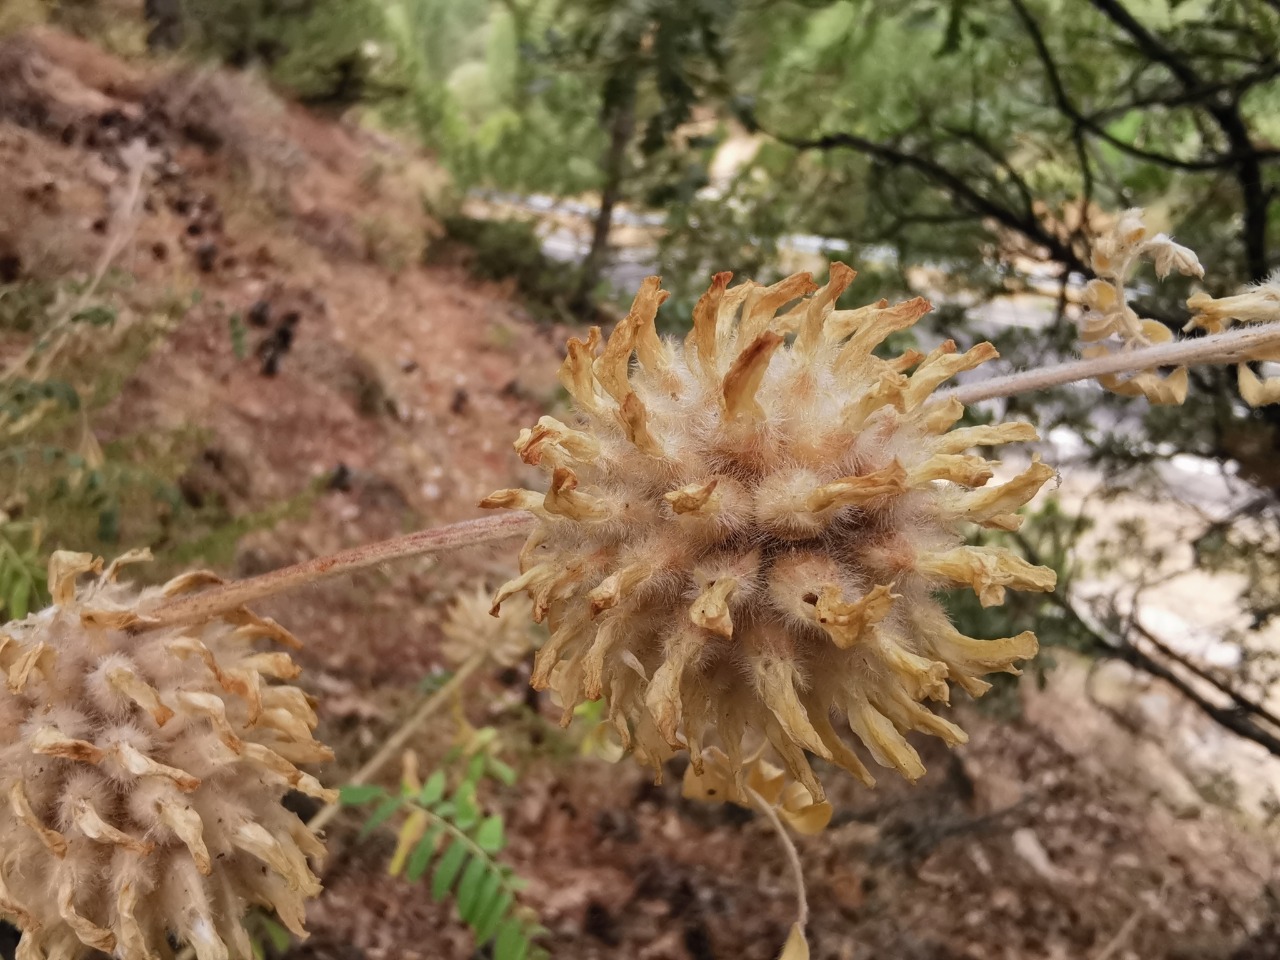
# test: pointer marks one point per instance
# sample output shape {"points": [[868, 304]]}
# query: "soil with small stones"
{"points": [[320, 347]]}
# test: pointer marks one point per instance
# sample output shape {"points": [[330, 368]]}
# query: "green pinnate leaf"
{"points": [[494, 909], [353, 795], [19, 598], [489, 834], [432, 790], [469, 889], [502, 772], [467, 813], [511, 944], [420, 859], [381, 815], [447, 869]]}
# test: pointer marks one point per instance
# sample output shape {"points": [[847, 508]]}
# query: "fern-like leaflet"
{"points": [[448, 836]]}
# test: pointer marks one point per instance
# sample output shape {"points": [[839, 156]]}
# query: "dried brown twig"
{"points": [[230, 596], [1222, 348]]}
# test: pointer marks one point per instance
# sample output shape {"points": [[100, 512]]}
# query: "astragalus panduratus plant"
{"points": [[739, 544]]}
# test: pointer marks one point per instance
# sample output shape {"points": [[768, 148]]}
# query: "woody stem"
{"points": [[793, 855], [1234, 346], [223, 599]]}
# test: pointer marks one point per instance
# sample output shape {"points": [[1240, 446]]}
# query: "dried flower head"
{"points": [[1109, 316], [143, 771], [745, 531], [469, 629]]}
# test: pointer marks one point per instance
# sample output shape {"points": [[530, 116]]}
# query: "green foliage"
{"points": [[447, 840], [268, 938], [22, 574], [238, 333], [59, 479], [323, 51]]}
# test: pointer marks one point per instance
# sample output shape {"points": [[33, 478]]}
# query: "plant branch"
{"points": [[953, 182], [1235, 346], [1110, 644], [1147, 42], [1222, 161], [1231, 347], [1241, 702], [1234, 88], [1246, 160], [793, 856], [1229, 717], [223, 599]]}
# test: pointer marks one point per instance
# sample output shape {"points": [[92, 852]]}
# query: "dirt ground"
{"points": [[320, 346]]}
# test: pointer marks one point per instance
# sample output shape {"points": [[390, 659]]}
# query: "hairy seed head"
{"points": [[142, 774], [744, 532]]}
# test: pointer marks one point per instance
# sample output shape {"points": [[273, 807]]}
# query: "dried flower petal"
{"points": [[469, 629]]}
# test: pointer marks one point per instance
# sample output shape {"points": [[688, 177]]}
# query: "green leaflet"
{"points": [[456, 849]]}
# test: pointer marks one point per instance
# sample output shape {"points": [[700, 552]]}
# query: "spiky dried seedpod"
{"points": [[746, 530], [142, 774]]}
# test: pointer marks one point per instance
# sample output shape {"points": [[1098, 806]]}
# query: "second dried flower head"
{"points": [[142, 773], [743, 533]]}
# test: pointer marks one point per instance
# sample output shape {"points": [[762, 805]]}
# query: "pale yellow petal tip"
{"points": [[1256, 392], [796, 947], [988, 570], [64, 567], [798, 810]]}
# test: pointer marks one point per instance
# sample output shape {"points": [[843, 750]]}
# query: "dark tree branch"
{"points": [[954, 183], [1147, 42], [1238, 717], [1235, 89], [1079, 124], [1227, 116], [1079, 120], [985, 146], [1241, 702]]}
